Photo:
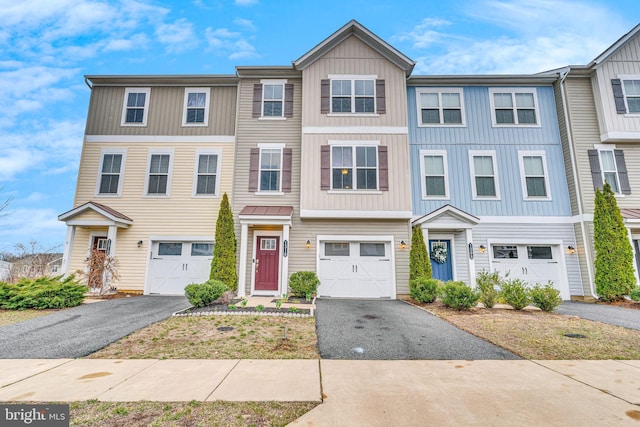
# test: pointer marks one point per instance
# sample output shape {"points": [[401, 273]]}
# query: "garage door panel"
{"points": [[174, 265]]}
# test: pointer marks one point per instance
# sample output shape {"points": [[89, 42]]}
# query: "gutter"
{"points": [[576, 182], [86, 81]]}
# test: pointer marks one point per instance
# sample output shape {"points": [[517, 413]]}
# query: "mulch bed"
{"points": [[623, 304], [218, 309]]}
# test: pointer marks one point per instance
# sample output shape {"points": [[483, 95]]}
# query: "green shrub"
{"points": [[42, 293], [303, 283], [458, 295], [424, 289], [487, 286], [635, 294], [515, 293], [203, 294], [545, 297]]}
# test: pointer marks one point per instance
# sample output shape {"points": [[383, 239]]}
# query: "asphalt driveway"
{"points": [[82, 330], [394, 330], [618, 316]]}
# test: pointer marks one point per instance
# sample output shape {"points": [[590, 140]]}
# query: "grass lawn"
{"points": [[219, 337], [540, 335], [134, 414], [8, 317]]}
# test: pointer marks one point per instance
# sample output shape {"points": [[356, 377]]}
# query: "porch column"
{"points": [[68, 249], [472, 262], [285, 261], [111, 240], [633, 251], [242, 274], [425, 235]]}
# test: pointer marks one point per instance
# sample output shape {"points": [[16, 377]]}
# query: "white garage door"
{"points": [[174, 265], [531, 263], [355, 270]]}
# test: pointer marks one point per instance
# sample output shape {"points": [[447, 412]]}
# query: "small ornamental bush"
{"points": [[545, 297], [458, 295], [515, 293], [203, 294], [304, 283], [424, 289], [487, 284], [42, 293], [635, 294]]}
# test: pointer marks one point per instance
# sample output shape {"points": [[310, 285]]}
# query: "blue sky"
{"points": [[47, 46]]}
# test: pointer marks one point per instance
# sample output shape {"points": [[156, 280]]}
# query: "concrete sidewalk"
{"points": [[354, 393]]}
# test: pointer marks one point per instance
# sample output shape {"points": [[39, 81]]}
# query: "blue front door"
{"points": [[440, 257]]}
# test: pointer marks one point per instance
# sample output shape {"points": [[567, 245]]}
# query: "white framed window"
{"points": [[196, 106], [270, 176], [159, 169], [353, 94], [514, 107], [534, 175], [135, 108], [440, 107], [207, 172], [631, 91], [484, 175], [435, 174], [273, 98], [111, 173], [354, 167], [609, 169]]}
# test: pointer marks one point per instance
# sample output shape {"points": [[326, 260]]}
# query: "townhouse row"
{"points": [[330, 162]]}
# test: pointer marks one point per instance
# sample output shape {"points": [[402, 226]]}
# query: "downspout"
{"points": [[576, 181]]}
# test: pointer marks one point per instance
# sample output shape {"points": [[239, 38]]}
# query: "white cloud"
{"points": [[246, 2], [178, 36], [41, 225], [533, 36], [229, 43], [137, 41], [245, 23]]}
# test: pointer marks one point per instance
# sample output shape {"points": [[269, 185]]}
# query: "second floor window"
{"points": [[158, 178], [609, 165], [535, 183], [270, 169], [517, 107], [206, 174], [110, 174], [484, 175], [196, 106], [273, 100], [134, 110], [353, 96], [440, 107], [632, 95], [434, 175], [354, 168]]}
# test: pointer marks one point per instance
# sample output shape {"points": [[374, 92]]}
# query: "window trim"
{"points": [[602, 171], [353, 78], [189, 90], [272, 82], [496, 181], [354, 145], [622, 78], [423, 184], [523, 180], [145, 109], [439, 91], [123, 152], [170, 153], [514, 91], [261, 147], [216, 191]]}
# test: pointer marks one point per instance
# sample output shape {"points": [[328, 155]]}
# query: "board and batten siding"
{"points": [[354, 57], [165, 111], [535, 233], [624, 62], [181, 214]]}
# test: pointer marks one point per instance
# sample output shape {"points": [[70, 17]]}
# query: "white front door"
{"points": [[174, 265], [355, 270]]}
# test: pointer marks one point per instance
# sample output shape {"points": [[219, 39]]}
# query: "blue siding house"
{"points": [[489, 183]]}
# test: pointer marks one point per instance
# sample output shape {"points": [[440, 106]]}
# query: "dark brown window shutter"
{"points": [[286, 170], [325, 96], [257, 100], [325, 167], [254, 169], [383, 168], [381, 105], [288, 100], [623, 175], [596, 172], [618, 96]]}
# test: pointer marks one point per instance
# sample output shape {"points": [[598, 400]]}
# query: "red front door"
{"points": [[267, 262]]}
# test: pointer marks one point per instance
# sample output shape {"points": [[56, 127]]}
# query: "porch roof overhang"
{"points": [[447, 217], [110, 216], [630, 216], [266, 215]]}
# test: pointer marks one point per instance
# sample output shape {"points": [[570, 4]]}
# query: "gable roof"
{"points": [[107, 212], [354, 28], [448, 211], [617, 45]]}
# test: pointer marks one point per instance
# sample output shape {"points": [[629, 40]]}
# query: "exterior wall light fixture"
{"points": [[308, 244], [571, 250], [482, 249], [403, 244], [139, 243]]}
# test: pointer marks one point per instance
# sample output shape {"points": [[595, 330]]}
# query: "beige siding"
{"points": [[181, 214], [566, 151], [164, 113], [353, 57], [626, 61]]}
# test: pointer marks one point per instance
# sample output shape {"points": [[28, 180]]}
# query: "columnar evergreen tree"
{"points": [[614, 256], [419, 264], [223, 265]]}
